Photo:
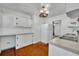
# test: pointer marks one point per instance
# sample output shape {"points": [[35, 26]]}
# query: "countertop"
{"points": [[66, 44], [3, 34]]}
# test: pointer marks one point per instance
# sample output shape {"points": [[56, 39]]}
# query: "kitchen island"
{"points": [[62, 47]]}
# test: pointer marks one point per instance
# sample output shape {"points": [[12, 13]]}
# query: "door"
{"points": [[57, 27]]}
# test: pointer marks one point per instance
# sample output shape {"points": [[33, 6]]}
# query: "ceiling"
{"points": [[31, 8]]}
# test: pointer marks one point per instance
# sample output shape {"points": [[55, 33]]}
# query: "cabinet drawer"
{"points": [[27, 36]]}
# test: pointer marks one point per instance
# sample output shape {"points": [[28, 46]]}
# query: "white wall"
{"points": [[36, 29], [0, 27], [40, 29]]}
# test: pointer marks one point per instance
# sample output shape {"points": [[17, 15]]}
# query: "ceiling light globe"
{"points": [[47, 12], [41, 11]]}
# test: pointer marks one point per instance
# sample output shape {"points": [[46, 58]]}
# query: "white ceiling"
{"points": [[31, 8]]}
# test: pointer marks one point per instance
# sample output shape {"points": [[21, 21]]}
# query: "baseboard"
{"points": [[44, 42], [35, 42]]}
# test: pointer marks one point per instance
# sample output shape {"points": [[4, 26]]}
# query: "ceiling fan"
{"points": [[44, 12]]}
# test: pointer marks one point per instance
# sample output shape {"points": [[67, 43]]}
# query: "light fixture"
{"points": [[44, 12]]}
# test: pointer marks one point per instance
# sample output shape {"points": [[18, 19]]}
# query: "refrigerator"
{"points": [[46, 32]]}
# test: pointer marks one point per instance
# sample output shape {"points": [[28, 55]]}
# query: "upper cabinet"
{"points": [[16, 21], [22, 21], [14, 24]]}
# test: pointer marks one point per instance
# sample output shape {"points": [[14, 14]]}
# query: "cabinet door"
{"points": [[18, 41], [27, 39], [23, 40], [23, 22]]}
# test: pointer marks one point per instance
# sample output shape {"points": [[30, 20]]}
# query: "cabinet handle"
{"points": [[16, 18], [16, 23]]}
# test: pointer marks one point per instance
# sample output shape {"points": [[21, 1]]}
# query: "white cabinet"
{"points": [[23, 40], [10, 20], [22, 22], [57, 51]]}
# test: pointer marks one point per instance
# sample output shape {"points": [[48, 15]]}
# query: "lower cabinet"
{"points": [[23, 40]]}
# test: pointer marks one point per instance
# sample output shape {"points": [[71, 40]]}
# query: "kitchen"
{"points": [[53, 26]]}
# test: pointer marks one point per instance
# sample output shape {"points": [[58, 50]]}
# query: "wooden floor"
{"points": [[38, 49], [8, 52]]}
